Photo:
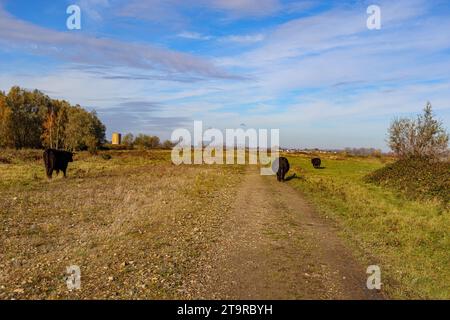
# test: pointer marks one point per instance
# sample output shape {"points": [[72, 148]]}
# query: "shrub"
{"points": [[106, 156], [144, 141], [424, 137], [417, 178], [167, 144]]}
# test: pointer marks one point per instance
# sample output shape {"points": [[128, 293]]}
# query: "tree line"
{"points": [[31, 119], [143, 141], [363, 152]]}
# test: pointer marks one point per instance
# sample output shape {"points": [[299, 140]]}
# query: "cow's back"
{"points": [[284, 164], [316, 162]]}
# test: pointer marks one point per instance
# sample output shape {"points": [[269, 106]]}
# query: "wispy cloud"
{"points": [[247, 38], [193, 35], [80, 48]]}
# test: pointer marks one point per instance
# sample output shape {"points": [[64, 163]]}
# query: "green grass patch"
{"points": [[409, 238]]}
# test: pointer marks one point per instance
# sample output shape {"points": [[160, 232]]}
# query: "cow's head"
{"points": [[69, 156]]}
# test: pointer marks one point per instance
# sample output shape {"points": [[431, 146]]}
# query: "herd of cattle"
{"points": [[283, 167], [58, 160]]}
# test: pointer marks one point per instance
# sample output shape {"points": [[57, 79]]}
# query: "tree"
{"points": [[146, 141], [98, 129], [6, 138], [30, 119], [27, 112], [421, 137], [60, 123], [167, 144], [128, 140], [154, 142], [49, 129], [83, 130]]}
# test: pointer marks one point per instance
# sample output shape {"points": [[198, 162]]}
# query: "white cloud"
{"points": [[193, 35], [248, 38], [79, 48]]}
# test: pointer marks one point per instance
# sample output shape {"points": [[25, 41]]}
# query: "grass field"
{"points": [[138, 225], [411, 239], [135, 224]]}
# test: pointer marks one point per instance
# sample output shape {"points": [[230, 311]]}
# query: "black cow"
{"points": [[56, 160], [316, 162], [283, 168]]}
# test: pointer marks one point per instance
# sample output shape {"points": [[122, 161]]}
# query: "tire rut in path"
{"points": [[274, 246]]}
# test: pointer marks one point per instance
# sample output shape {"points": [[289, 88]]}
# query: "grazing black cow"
{"points": [[56, 160], [316, 162], [283, 168]]}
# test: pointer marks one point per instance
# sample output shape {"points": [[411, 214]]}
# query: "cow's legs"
{"points": [[64, 169], [49, 173]]}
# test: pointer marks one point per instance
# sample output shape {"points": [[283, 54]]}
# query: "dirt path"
{"points": [[274, 246]]}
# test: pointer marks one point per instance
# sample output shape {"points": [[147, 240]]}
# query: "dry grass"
{"points": [[135, 224]]}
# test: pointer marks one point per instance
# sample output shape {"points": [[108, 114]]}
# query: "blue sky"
{"points": [[309, 68]]}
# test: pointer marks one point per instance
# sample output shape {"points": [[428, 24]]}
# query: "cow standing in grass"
{"points": [[316, 162], [56, 160], [283, 168]]}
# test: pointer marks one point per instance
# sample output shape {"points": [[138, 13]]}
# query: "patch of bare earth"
{"points": [[274, 246]]}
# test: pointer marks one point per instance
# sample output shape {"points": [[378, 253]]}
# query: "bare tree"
{"points": [[421, 137]]}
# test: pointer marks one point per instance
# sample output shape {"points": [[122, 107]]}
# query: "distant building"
{"points": [[116, 138]]}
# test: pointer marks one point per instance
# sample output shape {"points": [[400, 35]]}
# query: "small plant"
{"points": [[106, 156]]}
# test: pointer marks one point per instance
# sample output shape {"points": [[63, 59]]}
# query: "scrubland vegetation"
{"points": [[135, 224]]}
